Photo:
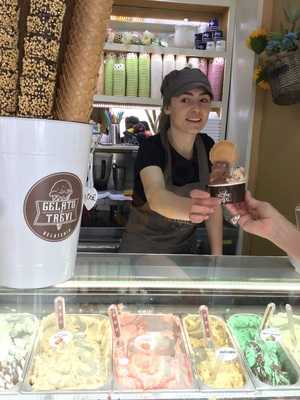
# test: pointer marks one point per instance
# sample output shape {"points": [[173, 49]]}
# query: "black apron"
{"points": [[150, 232]]}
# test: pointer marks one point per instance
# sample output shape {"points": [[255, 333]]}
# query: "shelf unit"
{"points": [[113, 101], [130, 48], [176, 10]]}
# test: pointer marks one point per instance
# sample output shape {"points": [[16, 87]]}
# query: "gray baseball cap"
{"points": [[179, 82]]}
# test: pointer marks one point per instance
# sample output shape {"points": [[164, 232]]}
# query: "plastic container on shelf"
{"points": [[180, 62], [144, 75], [109, 62], [119, 77], [132, 74], [215, 76], [168, 64], [193, 62], [156, 75], [184, 35], [203, 65]]}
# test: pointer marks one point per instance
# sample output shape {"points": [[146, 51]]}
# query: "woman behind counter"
{"points": [[171, 174]]}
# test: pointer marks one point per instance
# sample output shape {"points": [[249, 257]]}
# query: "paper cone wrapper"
{"points": [[229, 192]]}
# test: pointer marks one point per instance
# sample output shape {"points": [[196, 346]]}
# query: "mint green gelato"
{"points": [[263, 357]]}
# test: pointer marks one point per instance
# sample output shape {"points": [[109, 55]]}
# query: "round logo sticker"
{"points": [[270, 334], [226, 354], [52, 206], [61, 337]]}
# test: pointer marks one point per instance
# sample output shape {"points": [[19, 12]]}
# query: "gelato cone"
{"points": [[226, 182]]}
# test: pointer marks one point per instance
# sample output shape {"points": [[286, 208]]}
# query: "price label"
{"points": [[270, 334], [90, 197], [61, 337], [226, 354]]}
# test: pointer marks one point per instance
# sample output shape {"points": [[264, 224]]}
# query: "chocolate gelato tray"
{"points": [[267, 362], [218, 365], [151, 355], [18, 332], [75, 359]]}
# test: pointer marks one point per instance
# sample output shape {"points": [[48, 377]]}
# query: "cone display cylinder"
{"points": [[43, 169]]}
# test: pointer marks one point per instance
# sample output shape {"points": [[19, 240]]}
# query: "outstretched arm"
{"points": [[172, 205], [262, 219]]}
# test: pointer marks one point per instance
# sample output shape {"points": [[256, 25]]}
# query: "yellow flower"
{"points": [[257, 73], [248, 42], [264, 85], [259, 78], [258, 33], [257, 41]]}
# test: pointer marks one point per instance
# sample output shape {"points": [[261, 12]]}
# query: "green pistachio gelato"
{"points": [[263, 357]]}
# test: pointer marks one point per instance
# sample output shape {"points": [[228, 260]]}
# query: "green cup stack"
{"points": [[144, 75], [108, 73], [119, 77], [131, 74]]}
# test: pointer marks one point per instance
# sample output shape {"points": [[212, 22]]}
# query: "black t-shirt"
{"points": [[152, 153]]}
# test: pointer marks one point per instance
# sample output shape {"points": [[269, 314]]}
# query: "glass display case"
{"points": [[156, 341]]}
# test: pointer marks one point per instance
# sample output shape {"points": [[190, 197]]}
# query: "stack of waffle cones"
{"points": [[9, 14], [82, 60]]}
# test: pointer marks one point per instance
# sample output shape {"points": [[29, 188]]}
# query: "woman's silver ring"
{"points": [[234, 220]]}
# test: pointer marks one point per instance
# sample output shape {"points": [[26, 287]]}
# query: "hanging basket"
{"points": [[283, 75]]}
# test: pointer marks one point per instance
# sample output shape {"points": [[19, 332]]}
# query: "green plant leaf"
{"points": [[287, 14], [297, 15], [276, 35]]}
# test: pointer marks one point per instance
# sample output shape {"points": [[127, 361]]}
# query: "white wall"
{"points": [[242, 88]]}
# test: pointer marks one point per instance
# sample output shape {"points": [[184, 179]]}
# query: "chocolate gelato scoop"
{"points": [[220, 173]]}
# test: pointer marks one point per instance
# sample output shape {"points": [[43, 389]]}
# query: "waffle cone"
{"points": [[224, 151], [82, 59]]}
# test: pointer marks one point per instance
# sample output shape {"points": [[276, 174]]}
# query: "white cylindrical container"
{"points": [[215, 75], [43, 169], [180, 62], [168, 64], [194, 62], [203, 65], [156, 75]]}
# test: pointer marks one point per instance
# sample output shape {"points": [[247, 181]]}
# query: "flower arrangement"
{"points": [[272, 46]]}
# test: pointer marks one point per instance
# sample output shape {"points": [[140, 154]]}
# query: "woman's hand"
{"points": [[203, 206], [260, 218], [256, 217]]}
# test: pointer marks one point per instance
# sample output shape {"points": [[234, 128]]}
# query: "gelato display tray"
{"points": [[289, 336], [159, 325], [77, 358], [18, 332], [267, 362], [217, 365], [151, 355]]}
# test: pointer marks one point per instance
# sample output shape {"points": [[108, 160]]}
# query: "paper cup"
{"points": [[43, 168], [229, 192]]}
